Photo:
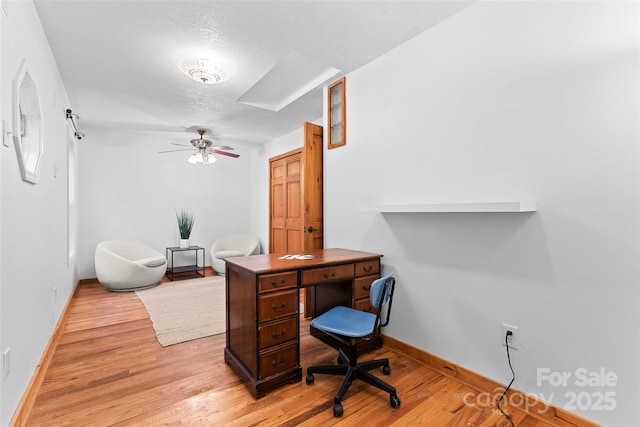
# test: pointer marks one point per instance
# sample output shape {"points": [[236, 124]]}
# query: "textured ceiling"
{"points": [[119, 59]]}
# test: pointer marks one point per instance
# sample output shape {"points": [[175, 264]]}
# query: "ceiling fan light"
{"points": [[209, 159], [195, 159], [202, 159], [204, 72]]}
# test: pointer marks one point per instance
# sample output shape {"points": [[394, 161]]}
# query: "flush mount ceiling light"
{"points": [[204, 72]]}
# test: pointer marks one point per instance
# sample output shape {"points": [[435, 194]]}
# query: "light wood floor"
{"points": [[109, 370]]}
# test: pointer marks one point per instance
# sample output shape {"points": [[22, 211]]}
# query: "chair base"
{"points": [[351, 370]]}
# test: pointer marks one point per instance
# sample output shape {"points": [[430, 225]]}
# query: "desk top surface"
{"points": [[322, 257]]}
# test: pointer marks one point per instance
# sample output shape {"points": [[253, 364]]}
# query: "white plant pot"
{"points": [[184, 243]]}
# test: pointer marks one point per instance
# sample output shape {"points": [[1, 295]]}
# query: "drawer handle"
{"points": [[278, 336], [282, 306], [279, 364], [368, 268], [329, 275], [275, 285], [366, 288]]}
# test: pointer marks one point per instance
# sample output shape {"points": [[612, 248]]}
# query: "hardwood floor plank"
{"points": [[108, 369]]}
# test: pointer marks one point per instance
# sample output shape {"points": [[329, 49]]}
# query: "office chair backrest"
{"points": [[381, 293]]}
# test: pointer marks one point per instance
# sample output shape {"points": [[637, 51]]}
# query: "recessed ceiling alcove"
{"points": [[294, 76]]}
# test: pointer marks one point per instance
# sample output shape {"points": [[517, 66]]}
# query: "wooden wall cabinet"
{"points": [[337, 114]]}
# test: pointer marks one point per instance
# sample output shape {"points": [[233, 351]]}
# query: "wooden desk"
{"points": [[263, 316]]}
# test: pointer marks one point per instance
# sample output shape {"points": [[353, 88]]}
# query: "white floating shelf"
{"points": [[517, 206]]}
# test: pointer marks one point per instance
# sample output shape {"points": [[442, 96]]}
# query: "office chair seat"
{"points": [[346, 321], [350, 327]]}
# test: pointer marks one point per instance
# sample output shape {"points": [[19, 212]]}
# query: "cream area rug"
{"points": [[187, 309]]}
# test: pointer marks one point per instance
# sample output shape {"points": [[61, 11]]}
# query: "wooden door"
{"points": [[296, 192], [313, 187], [286, 203]]}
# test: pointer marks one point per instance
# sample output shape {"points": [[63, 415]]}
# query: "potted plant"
{"points": [[185, 224]]}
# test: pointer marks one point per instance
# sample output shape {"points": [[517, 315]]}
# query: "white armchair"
{"points": [[123, 265], [232, 245]]}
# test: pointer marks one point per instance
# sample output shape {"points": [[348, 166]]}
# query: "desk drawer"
{"points": [[279, 360], [276, 305], [367, 267], [276, 282], [277, 333], [361, 287], [365, 305], [327, 274]]}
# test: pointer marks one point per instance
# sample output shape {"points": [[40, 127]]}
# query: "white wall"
{"points": [[33, 248], [505, 100], [127, 190], [1, 115]]}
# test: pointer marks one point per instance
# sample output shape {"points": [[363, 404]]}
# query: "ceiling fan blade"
{"points": [[225, 153], [222, 147], [171, 151]]}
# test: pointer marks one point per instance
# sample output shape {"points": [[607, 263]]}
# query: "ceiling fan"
{"points": [[205, 150]]}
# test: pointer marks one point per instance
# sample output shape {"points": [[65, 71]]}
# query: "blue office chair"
{"points": [[350, 327]]}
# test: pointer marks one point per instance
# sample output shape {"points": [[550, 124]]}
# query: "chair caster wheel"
{"points": [[309, 379], [337, 410], [386, 370], [394, 401]]}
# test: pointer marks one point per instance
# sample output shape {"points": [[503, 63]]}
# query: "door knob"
{"points": [[310, 229]]}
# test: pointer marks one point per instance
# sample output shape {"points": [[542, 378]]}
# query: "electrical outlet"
{"points": [[6, 363], [513, 339]]}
